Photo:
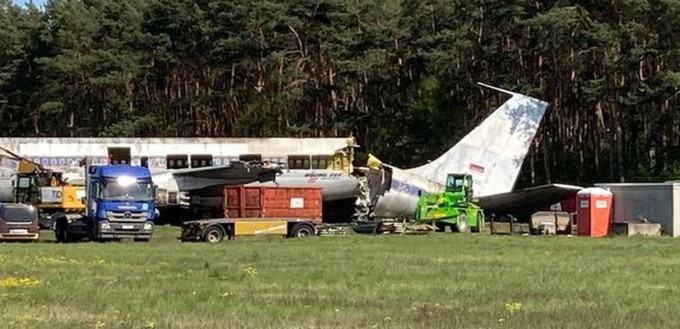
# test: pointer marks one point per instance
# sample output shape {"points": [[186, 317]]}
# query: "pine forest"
{"points": [[399, 75]]}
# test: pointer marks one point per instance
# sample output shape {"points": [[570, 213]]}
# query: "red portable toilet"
{"points": [[594, 211]]}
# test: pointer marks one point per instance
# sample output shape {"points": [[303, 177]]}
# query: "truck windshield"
{"points": [[19, 214], [140, 191]]}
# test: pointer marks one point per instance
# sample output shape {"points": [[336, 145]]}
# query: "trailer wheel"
{"points": [[301, 230], [462, 223], [213, 234]]}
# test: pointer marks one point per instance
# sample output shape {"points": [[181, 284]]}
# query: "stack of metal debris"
{"points": [[333, 230], [363, 203]]}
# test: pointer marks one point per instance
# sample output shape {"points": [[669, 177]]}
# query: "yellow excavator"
{"points": [[45, 189]]}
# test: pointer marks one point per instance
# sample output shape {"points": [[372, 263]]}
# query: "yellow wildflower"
{"points": [[18, 282], [513, 307], [99, 324], [250, 271]]}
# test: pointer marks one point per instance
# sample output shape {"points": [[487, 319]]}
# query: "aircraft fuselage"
{"points": [[335, 185], [401, 197]]}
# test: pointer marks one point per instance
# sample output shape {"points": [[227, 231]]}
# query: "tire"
{"points": [[60, 231], [301, 230], [92, 232], [478, 228], [213, 234], [462, 225]]}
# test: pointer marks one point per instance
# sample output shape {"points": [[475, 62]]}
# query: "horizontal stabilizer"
{"points": [[523, 203], [230, 170], [236, 173], [511, 93]]}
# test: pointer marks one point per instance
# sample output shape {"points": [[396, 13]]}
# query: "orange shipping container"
{"points": [[272, 202]]}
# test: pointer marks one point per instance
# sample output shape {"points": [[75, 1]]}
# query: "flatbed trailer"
{"points": [[215, 230]]}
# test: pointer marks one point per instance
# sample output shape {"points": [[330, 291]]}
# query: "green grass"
{"points": [[433, 281]]}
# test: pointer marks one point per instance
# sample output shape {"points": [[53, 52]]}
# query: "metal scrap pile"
{"points": [[273, 166], [363, 202]]}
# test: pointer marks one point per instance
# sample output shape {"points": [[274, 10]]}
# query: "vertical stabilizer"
{"points": [[494, 151]]}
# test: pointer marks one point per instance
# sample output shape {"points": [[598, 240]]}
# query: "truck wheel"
{"points": [[213, 234], [478, 227], [301, 230], [462, 223], [92, 232]]}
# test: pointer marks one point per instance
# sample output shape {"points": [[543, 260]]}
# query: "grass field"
{"points": [[435, 281]]}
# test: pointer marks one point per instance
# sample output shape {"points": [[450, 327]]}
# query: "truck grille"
{"points": [[126, 216]]}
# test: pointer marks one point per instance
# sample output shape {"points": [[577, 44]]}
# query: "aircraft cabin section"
{"points": [[339, 161], [163, 153], [321, 162], [122, 155], [201, 160]]}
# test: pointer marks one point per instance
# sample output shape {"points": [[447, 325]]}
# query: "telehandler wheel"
{"points": [[301, 230], [462, 224], [478, 227], [213, 234]]}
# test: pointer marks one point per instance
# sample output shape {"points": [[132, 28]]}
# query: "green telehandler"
{"points": [[454, 207]]}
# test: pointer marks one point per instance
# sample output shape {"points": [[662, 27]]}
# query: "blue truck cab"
{"points": [[119, 203]]}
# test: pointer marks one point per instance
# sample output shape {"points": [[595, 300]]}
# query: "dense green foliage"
{"points": [[399, 75]]}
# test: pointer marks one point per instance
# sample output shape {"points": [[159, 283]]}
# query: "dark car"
{"points": [[18, 222]]}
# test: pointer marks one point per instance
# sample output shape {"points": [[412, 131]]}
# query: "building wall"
{"points": [[658, 202]]}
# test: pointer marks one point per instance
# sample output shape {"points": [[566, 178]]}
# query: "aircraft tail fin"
{"points": [[494, 151]]}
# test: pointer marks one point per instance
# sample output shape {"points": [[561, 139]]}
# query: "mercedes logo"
{"points": [[127, 214]]}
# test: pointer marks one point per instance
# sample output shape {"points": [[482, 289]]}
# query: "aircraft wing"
{"points": [[523, 203], [235, 173]]}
